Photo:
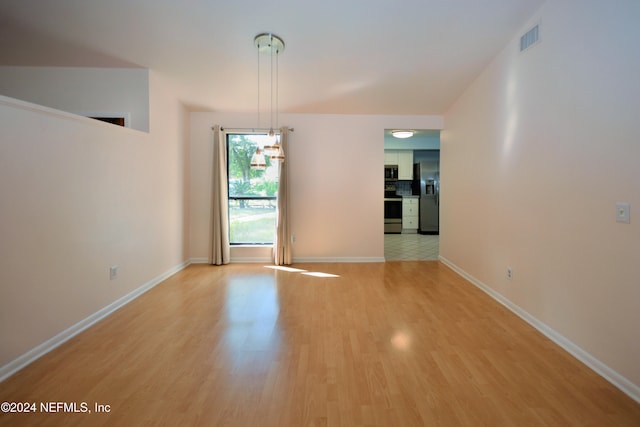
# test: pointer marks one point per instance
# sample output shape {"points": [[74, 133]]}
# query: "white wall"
{"points": [[336, 182], [82, 90], [535, 155], [78, 196]]}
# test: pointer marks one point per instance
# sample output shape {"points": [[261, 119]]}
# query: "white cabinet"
{"points": [[404, 160], [390, 157], [410, 216], [405, 164]]}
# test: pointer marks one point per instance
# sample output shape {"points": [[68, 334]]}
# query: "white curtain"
{"points": [[220, 250], [282, 244]]}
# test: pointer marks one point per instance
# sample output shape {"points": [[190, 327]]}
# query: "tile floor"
{"points": [[410, 247]]}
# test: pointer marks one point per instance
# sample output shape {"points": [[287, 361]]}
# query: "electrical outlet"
{"points": [[509, 273], [293, 238], [622, 212], [113, 272]]}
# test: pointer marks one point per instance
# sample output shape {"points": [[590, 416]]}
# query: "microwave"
{"points": [[390, 172]]}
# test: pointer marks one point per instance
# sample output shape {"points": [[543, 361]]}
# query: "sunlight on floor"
{"points": [[320, 274], [297, 270], [283, 268]]}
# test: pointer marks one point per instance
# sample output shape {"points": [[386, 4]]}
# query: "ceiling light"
{"points": [[279, 154], [271, 45], [402, 133], [258, 161]]}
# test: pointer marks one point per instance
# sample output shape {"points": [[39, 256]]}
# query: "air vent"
{"points": [[530, 38]]}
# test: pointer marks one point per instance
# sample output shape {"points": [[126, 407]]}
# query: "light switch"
{"points": [[622, 212]]}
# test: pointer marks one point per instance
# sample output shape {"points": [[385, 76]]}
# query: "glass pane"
{"points": [[244, 181], [252, 221]]}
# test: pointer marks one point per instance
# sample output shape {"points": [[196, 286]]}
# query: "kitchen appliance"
{"points": [[390, 189], [426, 184], [390, 172], [392, 208], [392, 214]]}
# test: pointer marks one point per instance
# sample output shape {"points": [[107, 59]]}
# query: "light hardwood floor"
{"points": [[388, 344]]}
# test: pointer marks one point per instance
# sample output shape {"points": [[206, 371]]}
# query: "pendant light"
{"points": [[271, 45], [258, 162], [279, 154]]}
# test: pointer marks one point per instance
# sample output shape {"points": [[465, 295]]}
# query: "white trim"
{"points": [[345, 259], [622, 383], [269, 260], [40, 350]]}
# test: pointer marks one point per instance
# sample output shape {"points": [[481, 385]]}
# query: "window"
{"points": [[252, 193]]}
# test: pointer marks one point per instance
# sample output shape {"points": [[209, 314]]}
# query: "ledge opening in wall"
{"points": [[118, 119]]}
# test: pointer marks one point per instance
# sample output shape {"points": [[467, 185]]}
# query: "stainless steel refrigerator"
{"points": [[426, 184]]}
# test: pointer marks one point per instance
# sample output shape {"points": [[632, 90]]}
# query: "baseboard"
{"points": [[339, 259], [251, 260], [622, 383], [35, 353], [269, 260], [236, 260]]}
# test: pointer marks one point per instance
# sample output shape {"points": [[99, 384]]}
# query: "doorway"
{"points": [[413, 241]]}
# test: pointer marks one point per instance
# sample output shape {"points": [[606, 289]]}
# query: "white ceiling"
{"points": [[408, 57]]}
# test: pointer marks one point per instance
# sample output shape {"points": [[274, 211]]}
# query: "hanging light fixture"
{"points": [[271, 45], [279, 154], [258, 162]]}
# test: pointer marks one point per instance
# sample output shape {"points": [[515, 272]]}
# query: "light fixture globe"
{"points": [[402, 134]]}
